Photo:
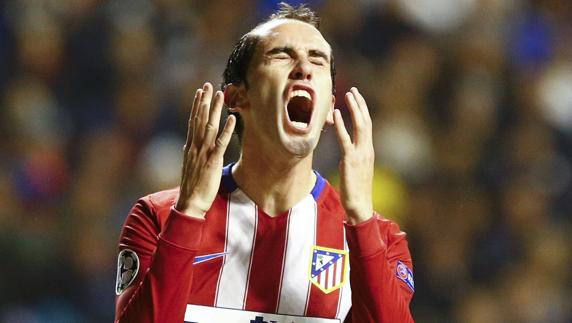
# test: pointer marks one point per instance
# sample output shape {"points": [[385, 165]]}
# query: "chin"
{"points": [[300, 147]]}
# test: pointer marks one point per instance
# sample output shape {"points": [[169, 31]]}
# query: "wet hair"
{"points": [[241, 56]]}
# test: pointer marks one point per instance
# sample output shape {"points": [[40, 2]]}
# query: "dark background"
{"points": [[472, 109]]}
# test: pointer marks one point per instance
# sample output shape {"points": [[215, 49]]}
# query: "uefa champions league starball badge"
{"points": [[127, 269]]}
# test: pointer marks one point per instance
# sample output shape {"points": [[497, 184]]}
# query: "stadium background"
{"points": [[472, 108]]}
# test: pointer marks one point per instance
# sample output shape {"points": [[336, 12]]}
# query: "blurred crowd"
{"points": [[472, 109]]}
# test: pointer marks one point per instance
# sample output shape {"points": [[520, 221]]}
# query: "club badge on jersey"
{"points": [[328, 268], [127, 269]]}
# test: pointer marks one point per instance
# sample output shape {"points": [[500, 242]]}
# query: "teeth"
{"points": [[302, 93], [300, 125]]}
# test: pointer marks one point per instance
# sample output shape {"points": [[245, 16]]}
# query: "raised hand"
{"points": [[203, 153], [357, 162]]}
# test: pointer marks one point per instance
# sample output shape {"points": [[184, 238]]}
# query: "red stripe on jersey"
{"points": [[283, 260], [329, 234], [206, 274], [267, 260]]}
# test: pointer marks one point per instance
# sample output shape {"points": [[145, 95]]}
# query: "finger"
{"points": [[353, 103], [224, 138], [196, 103], [190, 134], [344, 139], [355, 114], [192, 117], [362, 134], [203, 114], [362, 104], [214, 117]]}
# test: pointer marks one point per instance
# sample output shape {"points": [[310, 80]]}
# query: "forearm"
{"points": [[377, 294], [161, 291]]}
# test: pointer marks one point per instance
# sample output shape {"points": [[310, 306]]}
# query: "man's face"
{"points": [[289, 87]]}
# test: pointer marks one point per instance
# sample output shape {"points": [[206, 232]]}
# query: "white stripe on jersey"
{"points": [[330, 282], [241, 225], [322, 278], [338, 270], [295, 287], [251, 255]]}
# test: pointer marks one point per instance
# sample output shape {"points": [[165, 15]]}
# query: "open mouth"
{"points": [[299, 108]]}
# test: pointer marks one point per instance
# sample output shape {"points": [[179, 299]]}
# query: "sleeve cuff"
{"points": [[364, 239], [183, 230]]}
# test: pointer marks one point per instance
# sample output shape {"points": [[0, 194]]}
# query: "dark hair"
{"points": [[239, 60]]}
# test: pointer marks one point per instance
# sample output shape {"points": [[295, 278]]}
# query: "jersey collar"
{"points": [[230, 185]]}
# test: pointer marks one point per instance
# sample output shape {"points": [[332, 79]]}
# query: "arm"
{"points": [[164, 256], [164, 271], [377, 247]]}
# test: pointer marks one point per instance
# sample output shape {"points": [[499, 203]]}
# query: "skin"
{"points": [[275, 167]]}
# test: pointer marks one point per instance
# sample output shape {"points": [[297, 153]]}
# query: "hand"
{"points": [[356, 165], [203, 159]]}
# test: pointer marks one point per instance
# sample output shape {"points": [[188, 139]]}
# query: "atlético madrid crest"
{"points": [[328, 268]]}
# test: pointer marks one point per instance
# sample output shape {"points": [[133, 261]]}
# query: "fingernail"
{"points": [[206, 86]]}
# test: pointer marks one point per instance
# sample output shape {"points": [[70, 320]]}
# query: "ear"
{"points": [[330, 116], [235, 97]]}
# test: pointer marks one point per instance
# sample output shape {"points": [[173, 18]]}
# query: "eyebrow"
{"points": [[290, 51]]}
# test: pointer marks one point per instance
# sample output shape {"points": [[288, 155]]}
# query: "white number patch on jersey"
{"points": [[205, 314], [127, 269]]}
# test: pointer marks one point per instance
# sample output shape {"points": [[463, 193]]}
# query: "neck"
{"points": [[273, 182]]}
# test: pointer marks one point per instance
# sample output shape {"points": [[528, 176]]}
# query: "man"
{"points": [[267, 239]]}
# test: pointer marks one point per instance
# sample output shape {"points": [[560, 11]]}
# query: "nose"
{"points": [[302, 70]]}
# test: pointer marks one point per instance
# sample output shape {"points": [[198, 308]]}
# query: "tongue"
{"points": [[299, 110]]}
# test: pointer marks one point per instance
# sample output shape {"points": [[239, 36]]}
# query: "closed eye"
{"points": [[280, 53], [318, 57], [318, 61], [281, 56]]}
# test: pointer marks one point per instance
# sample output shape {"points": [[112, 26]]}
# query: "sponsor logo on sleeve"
{"points": [[127, 269], [328, 268], [404, 273]]}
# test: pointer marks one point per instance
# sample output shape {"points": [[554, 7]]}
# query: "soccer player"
{"points": [[267, 239]]}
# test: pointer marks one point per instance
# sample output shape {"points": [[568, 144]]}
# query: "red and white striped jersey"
{"points": [[239, 262]]}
